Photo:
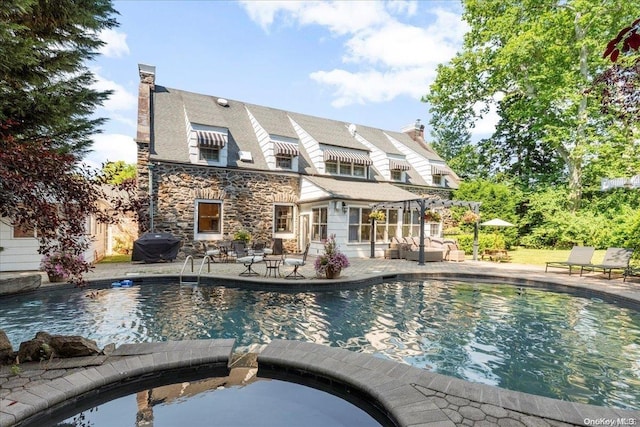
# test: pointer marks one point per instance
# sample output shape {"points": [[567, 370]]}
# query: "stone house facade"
{"points": [[210, 166]]}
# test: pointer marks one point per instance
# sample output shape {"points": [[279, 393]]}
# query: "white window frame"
{"points": [[319, 229], [208, 235], [286, 231]]}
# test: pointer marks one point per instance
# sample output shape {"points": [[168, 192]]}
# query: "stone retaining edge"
{"points": [[395, 386], [128, 363]]}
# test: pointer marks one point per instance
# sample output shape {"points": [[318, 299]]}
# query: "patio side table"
{"points": [[273, 267]]}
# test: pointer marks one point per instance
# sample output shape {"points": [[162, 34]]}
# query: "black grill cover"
{"points": [[155, 247]]}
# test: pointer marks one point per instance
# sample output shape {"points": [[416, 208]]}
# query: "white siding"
{"points": [[264, 141], [419, 163], [311, 146], [310, 191], [378, 157], [19, 254]]}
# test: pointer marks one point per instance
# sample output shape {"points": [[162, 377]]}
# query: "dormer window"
{"points": [[397, 168], [347, 163], [284, 162], [285, 151], [208, 146], [437, 172], [209, 154]]}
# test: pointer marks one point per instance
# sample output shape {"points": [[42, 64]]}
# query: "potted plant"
{"points": [[378, 216], [470, 217], [242, 236], [57, 265], [432, 216], [331, 263]]}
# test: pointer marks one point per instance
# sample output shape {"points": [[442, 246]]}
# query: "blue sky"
{"points": [[363, 62]]}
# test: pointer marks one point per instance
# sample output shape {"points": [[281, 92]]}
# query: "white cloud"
{"points": [[340, 17], [111, 147], [115, 44], [374, 86], [120, 99], [383, 56], [485, 126]]}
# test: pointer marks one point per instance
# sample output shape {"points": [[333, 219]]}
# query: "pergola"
{"points": [[424, 204]]}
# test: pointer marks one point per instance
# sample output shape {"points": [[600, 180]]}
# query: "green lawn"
{"points": [[115, 258]]}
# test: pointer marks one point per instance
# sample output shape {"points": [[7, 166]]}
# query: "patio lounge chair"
{"points": [[614, 259], [580, 256], [297, 263], [631, 272]]}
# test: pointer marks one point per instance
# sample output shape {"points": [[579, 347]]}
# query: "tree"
{"points": [[619, 85], [45, 125], [118, 172], [541, 56]]}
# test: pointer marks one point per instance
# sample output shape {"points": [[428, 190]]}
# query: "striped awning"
{"points": [[399, 165], [211, 139], [440, 170], [285, 149], [347, 157]]}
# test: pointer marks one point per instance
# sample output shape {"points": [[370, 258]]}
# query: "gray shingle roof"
{"points": [[173, 109], [361, 190]]}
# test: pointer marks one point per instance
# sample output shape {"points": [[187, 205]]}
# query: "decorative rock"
{"points": [[14, 285], [73, 346], [34, 350], [45, 346], [6, 350]]}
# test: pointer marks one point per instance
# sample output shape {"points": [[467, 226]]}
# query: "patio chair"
{"points": [[297, 263], [214, 252], [238, 250], [579, 256], [248, 262], [614, 259]]}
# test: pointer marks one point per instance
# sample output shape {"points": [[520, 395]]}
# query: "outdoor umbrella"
{"points": [[497, 222]]}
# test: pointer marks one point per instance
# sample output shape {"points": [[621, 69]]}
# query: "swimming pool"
{"points": [[551, 344]]}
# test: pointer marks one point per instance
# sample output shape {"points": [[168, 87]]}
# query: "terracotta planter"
{"points": [[54, 278], [332, 274]]}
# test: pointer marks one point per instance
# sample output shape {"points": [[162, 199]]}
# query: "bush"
{"points": [[485, 241]]}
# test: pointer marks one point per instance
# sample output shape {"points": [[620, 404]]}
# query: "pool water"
{"points": [[551, 344], [261, 403]]}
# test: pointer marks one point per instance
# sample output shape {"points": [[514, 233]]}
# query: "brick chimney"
{"points": [[143, 138], [415, 131], [147, 85]]}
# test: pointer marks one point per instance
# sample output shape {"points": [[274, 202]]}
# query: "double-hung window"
{"points": [[283, 218], [411, 223], [359, 225], [210, 154], [346, 162], [208, 217], [319, 224], [284, 162], [388, 228]]}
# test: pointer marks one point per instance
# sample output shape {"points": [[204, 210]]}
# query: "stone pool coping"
{"points": [[409, 396]]}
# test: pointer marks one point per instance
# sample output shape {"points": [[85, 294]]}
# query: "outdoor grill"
{"points": [[155, 247]]}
